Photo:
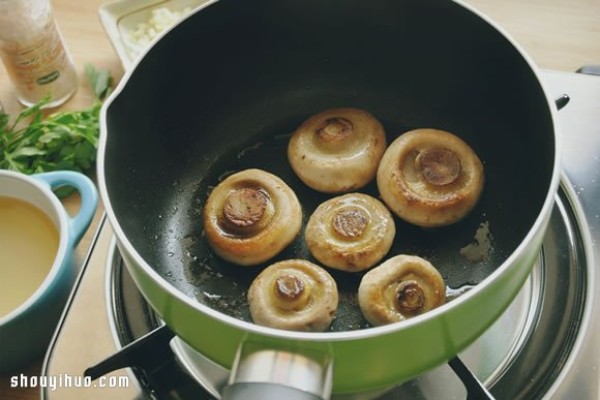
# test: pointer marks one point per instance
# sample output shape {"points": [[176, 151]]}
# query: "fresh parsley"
{"points": [[63, 141]]}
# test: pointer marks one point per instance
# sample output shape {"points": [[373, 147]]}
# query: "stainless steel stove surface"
{"points": [[546, 345]]}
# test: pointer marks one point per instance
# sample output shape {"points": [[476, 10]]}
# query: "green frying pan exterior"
{"points": [[364, 360], [235, 73]]}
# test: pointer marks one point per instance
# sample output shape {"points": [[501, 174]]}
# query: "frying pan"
{"points": [[224, 89]]}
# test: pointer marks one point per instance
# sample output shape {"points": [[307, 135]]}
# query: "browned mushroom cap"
{"points": [[351, 232], [337, 150], [293, 295], [430, 177], [402, 287], [251, 216]]}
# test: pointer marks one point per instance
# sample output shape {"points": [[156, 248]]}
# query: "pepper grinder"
{"points": [[34, 54]]}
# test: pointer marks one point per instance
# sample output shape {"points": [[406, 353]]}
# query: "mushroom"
{"points": [[293, 295], [251, 216], [337, 150], [402, 287], [430, 177], [351, 232]]}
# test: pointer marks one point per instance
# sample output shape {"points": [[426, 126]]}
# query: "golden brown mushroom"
{"points": [[402, 287], [430, 177], [251, 216], [293, 295], [337, 150], [351, 232]]}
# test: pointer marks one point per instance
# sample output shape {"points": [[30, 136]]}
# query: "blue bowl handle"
{"points": [[89, 198]]}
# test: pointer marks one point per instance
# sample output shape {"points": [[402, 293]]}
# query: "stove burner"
{"points": [[519, 357]]}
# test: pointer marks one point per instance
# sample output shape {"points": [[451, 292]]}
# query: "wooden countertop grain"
{"points": [[557, 34]]}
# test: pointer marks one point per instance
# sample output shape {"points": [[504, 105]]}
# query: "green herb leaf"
{"points": [[66, 140], [101, 81], [28, 152]]}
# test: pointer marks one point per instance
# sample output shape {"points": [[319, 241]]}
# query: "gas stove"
{"points": [[546, 345]]}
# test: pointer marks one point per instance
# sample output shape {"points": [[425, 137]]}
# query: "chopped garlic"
{"points": [[161, 19]]}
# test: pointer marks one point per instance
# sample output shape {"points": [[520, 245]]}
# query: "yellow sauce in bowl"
{"points": [[28, 246]]}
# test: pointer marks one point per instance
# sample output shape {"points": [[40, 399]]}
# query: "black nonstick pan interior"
{"points": [[225, 89]]}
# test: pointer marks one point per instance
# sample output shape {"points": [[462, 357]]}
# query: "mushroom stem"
{"points": [[439, 166], [335, 129], [244, 207], [350, 223], [410, 297], [291, 293], [289, 287]]}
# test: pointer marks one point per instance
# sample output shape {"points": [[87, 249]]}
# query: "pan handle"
{"points": [[262, 373], [266, 391]]}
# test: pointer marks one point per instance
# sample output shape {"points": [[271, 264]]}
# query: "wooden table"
{"points": [[557, 34]]}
